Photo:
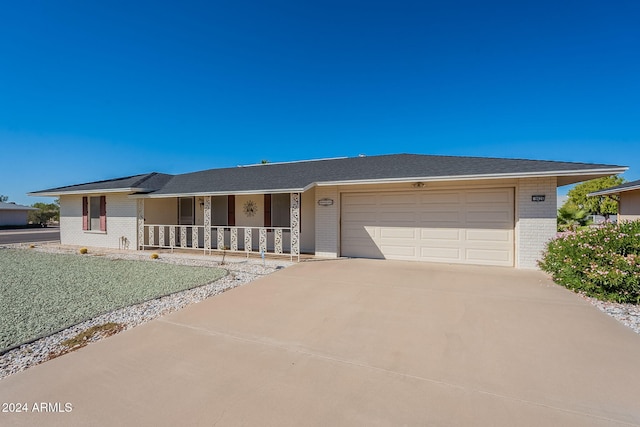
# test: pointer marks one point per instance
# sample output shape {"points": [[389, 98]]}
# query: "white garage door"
{"points": [[470, 226]]}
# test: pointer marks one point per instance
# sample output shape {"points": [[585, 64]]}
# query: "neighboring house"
{"points": [[465, 210], [629, 203], [12, 214]]}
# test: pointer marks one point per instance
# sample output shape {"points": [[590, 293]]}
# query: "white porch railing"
{"points": [[257, 240]]}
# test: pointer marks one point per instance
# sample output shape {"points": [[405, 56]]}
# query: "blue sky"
{"points": [[96, 90]]}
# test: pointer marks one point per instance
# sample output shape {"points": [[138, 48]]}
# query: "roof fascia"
{"points": [[78, 192], [614, 191], [608, 171], [217, 193]]}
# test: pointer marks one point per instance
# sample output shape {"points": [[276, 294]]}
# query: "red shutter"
{"points": [[103, 213], [85, 213], [267, 210], [231, 210]]}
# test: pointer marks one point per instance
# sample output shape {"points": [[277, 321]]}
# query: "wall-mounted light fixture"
{"points": [[201, 201], [417, 184]]}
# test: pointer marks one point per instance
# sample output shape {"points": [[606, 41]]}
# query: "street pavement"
{"points": [[30, 235]]}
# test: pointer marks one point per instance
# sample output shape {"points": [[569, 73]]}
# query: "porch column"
{"points": [[295, 224], [207, 223], [140, 223]]}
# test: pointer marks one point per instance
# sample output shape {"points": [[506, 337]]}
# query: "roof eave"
{"points": [[614, 191], [55, 193], [217, 193], [584, 172]]}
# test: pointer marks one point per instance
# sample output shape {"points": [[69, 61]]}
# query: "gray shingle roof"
{"points": [[299, 175], [627, 186], [15, 207], [149, 182]]}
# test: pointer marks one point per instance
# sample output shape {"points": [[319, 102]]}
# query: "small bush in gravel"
{"points": [[83, 250], [602, 262], [155, 256]]}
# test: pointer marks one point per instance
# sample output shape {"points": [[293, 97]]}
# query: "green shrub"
{"points": [[602, 262]]}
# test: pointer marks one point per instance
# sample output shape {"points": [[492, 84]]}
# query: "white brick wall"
{"points": [[121, 221], [327, 222], [535, 221]]}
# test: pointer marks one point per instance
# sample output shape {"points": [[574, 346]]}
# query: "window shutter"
{"points": [[231, 210], [267, 210], [85, 213]]}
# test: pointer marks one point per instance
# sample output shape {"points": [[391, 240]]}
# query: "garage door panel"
{"points": [[501, 196], [398, 251], [440, 234], [430, 219], [466, 226], [441, 254], [397, 217], [491, 257], [398, 233], [479, 218], [439, 198], [362, 217], [488, 235], [398, 199], [359, 232], [362, 199]]}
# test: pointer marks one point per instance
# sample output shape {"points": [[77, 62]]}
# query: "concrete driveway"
{"points": [[351, 343]]}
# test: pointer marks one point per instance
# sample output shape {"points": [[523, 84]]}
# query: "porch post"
{"points": [[295, 225], [207, 223], [140, 224]]}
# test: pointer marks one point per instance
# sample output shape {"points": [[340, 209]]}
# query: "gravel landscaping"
{"points": [[235, 272], [45, 292]]}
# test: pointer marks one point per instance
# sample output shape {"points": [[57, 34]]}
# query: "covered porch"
{"points": [[241, 223]]}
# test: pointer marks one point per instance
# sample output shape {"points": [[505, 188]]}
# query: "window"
{"points": [[280, 210], [185, 210], [94, 213]]}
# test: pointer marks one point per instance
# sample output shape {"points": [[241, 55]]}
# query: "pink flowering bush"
{"points": [[602, 262]]}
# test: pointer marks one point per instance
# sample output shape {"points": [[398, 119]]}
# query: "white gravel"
{"points": [[627, 314], [239, 272]]}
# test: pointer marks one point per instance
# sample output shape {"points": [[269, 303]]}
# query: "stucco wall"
{"points": [[121, 222], [327, 222], [244, 220], [536, 222], [629, 207], [13, 217], [308, 215], [161, 211]]}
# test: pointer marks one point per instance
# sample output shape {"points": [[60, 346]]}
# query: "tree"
{"points": [[3, 198], [598, 205], [570, 217], [46, 212]]}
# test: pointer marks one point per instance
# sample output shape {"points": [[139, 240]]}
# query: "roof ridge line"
{"points": [[143, 179], [292, 161]]}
